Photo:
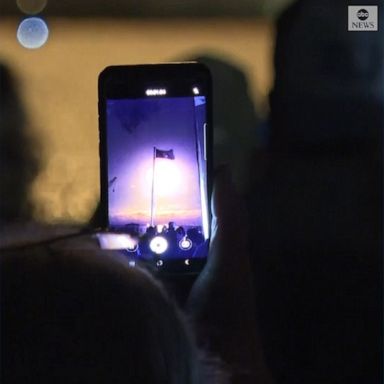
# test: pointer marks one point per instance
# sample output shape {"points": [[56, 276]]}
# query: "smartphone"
{"points": [[156, 163]]}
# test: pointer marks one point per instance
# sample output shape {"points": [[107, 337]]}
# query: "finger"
{"points": [[228, 237]]}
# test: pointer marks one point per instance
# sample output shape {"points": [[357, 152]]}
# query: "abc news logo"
{"points": [[362, 18], [363, 15]]}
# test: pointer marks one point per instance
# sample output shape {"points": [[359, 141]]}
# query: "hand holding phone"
{"points": [[222, 301]]}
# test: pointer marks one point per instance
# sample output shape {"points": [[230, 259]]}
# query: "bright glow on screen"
{"points": [[158, 245], [168, 177]]}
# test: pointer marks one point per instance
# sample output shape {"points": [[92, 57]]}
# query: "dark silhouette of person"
{"points": [[85, 316], [195, 236], [180, 232], [171, 226], [171, 237], [144, 241], [19, 162], [317, 211]]}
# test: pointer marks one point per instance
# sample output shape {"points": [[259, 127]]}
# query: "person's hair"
{"points": [[87, 317]]}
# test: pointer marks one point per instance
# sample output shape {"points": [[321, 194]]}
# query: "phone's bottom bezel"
{"points": [[163, 266]]}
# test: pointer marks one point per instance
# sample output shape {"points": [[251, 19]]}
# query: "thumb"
{"points": [[228, 235]]}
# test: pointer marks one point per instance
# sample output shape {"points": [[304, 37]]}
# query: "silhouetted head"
{"points": [[151, 231], [18, 159], [328, 92], [180, 231], [87, 317]]}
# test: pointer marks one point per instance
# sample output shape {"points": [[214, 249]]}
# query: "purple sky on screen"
{"points": [[134, 128]]}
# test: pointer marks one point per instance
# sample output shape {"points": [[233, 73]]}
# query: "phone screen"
{"points": [[157, 193]]}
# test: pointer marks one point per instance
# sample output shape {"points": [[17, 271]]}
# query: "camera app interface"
{"points": [[157, 176]]}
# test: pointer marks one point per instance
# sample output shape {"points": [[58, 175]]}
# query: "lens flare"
{"points": [[31, 7], [32, 33]]}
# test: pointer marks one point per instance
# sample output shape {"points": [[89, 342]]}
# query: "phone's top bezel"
{"points": [[130, 82]]}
